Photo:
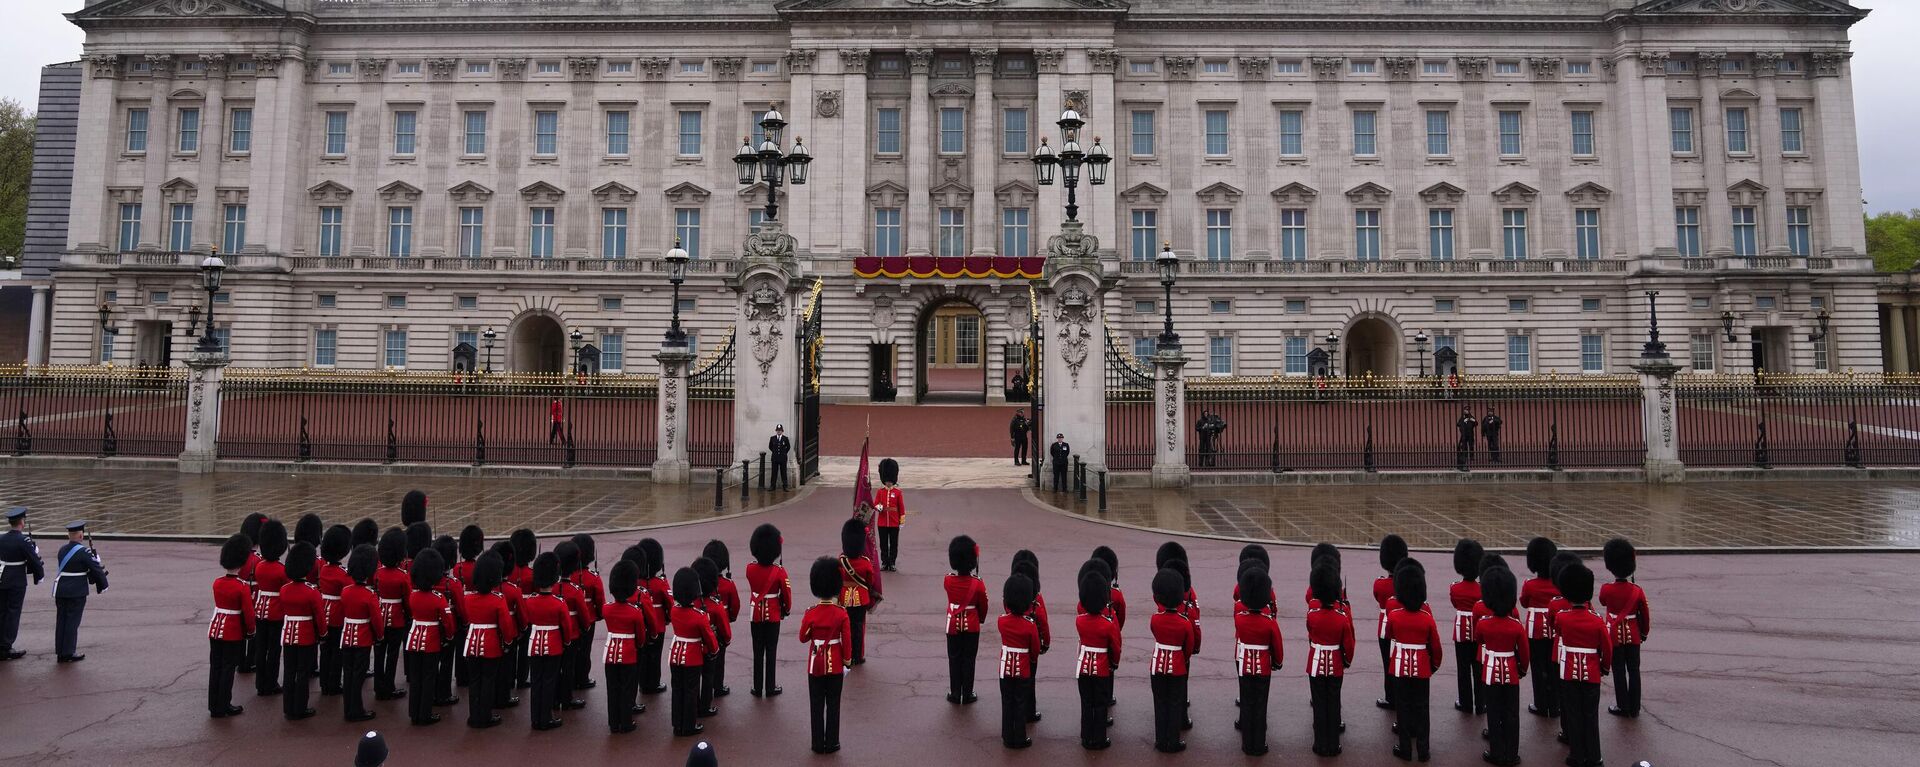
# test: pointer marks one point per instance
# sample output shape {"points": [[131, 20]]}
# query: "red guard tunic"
{"points": [[1039, 616], [463, 572], [1628, 619], [826, 631], [578, 614], [593, 593], [1503, 649], [432, 621], [662, 596], [770, 592], [490, 625], [1415, 651], [521, 578], [1535, 596], [1584, 648], [656, 619], [1329, 642], [966, 604], [890, 507], [1383, 596], [232, 620], [693, 638], [1344, 606], [550, 628], [716, 610], [450, 590], [360, 617], [392, 585], [511, 595], [1463, 595], [299, 612], [333, 581], [1019, 642], [1175, 638], [269, 580], [727, 593], [1099, 644], [1117, 605], [862, 585], [626, 624], [1256, 649]]}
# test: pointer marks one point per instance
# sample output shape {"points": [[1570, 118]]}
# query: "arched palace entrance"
{"points": [[539, 345], [951, 359], [1372, 346]]}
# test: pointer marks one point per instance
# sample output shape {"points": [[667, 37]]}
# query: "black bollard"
{"points": [[763, 470], [1103, 489], [746, 470], [1080, 481], [719, 487]]}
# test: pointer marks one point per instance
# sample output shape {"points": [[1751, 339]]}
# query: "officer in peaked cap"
{"points": [[78, 567], [19, 557]]}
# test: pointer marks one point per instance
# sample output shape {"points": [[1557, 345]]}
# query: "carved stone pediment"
{"points": [[1369, 194], [687, 191], [399, 191], [329, 191], [614, 191], [1516, 193], [1016, 194], [1143, 192], [1220, 193], [887, 194], [469, 191], [541, 191], [179, 190], [1589, 194], [1295, 193], [1747, 192], [1442, 193], [951, 195]]}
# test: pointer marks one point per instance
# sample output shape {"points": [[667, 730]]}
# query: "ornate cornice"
{"points": [[1048, 60], [1104, 60], [853, 61], [984, 59], [800, 61], [920, 60]]}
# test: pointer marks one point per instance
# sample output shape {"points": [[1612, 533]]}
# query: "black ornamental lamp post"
{"points": [[1821, 334], [1333, 354], [1726, 325], [487, 337], [771, 164], [677, 274], [1169, 264], [1069, 159], [210, 270], [575, 336], [1420, 340], [1654, 348]]}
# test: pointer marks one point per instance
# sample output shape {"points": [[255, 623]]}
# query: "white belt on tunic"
{"points": [[612, 636], [274, 594], [1566, 651], [1015, 650], [816, 642], [1495, 654], [1169, 648], [555, 627], [472, 627], [297, 618], [1325, 647], [1240, 653], [225, 611], [426, 624], [696, 639], [1095, 650], [768, 595], [354, 621], [390, 601], [330, 597]]}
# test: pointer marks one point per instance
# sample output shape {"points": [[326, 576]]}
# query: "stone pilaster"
{"points": [[1657, 419], [205, 371], [766, 360], [919, 154], [37, 326], [1170, 418], [671, 465], [985, 153], [1074, 372]]}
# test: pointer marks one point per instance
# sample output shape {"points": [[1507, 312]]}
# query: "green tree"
{"points": [[1893, 239], [16, 173]]}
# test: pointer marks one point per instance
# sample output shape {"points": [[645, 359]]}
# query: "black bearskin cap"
{"points": [[419, 538], [473, 540], [300, 561], [488, 569], [963, 555], [584, 543], [428, 569], [448, 550], [716, 550], [1106, 555], [1562, 559], [568, 555], [1095, 593], [1540, 553], [1256, 589], [824, 580], [1026, 555], [1410, 584], [1029, 568], [686, 587], [1169, 589], [853, 538], [889, 471], [546, 571], [1576, 583], [1244, 566], [638, 556], [250, 527], [508, 560], [709, 574], [234, 552], [366, 532], [1491, 561], [765, 544], [273, 540], [1498, 590], [1466, 558], [1325, 551], [524, 545], [361, 563], [623, 580], [1097, 567], [1179, 567], [308, 529], [1618, 555], [1325, 582], [335, 544], [1168, 551], [1393, 548], [1018, 594], [393, 547], [413, 508], [656, 558], [1255, 551]]}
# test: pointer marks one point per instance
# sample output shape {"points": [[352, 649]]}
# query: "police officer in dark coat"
{"points": [[1490, 429], [1464, 449], [19, 557], [1060, 453], [777, 449], [78, 567], [1018, 431]]}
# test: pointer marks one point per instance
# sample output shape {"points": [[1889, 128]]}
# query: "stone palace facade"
{"points": [[1503, 178]]}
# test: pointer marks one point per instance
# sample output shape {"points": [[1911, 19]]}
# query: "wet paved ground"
{"points": [[1772, 514], [1755, 659]]}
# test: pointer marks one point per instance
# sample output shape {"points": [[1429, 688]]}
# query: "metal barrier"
{"points": [[710, 392], [1129, 411], [1769, 419], [84, 410]]}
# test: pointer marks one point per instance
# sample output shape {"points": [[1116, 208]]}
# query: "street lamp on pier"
{"points": [[1169, 264], [677, 273], [770, 163], [1069, 160], [211, 269]]}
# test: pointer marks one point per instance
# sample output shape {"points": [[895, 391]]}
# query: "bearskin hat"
{"points": [[686, 587], [853, 538], [1256, 589], [1618, 556], [1325, 583], [428, 569], [963, 555], [638, 556], [1491, 561], [623, 580], [584, 543], [1179, 567], [250, 527], [1325, 551], [300, 561], [765, 544], [546, 571], [1257, 552], [1540, 553], [1498, 590], [1017, 595], [1410, 584], [1561, 560], [824, 579], [525, 545], [509, 559], [472, 541], [889, 471], [1244, 566], [1095, 566], [1031, 569], [1095, 594], [1026, 555], [419, 538], [308, 529], [234, 552], [656, 558], [413, 508], [709, 574], [1169, 588], [1168, 551], [362, 562], [336, 543], [1576, 583], [1466, 558], [488, 569], [716, 550], [1106, 555], [393, 547], [569, 556], [366, 532], [273, 540], [448, 550], [1393, 548]]}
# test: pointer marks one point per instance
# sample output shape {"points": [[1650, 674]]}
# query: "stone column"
{"points": [[209, 219], [919, 155], [161, 143], [205, 371], [1838, 148], [1049, 205], [1710, 145], [1074, 367], [852, 151], [1766, 133], [37, 327], [1170, 414], [1897, 337], [986, 154], [1657, 419], [766, 363], [670, 464]]}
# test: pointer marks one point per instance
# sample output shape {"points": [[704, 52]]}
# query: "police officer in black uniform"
{"points": [[1059, 453], [778, 447], [1017, 430], [1463, 450], [78, 567], [19, 556], [1490, 430]]}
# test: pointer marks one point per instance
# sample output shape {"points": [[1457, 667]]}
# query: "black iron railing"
{"points": [[710, 391], [1130, 417], [104, 411], [1766, 420]]}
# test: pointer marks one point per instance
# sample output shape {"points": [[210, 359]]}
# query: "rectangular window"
{"points": [[408, 68], [1293, 234], [886, 131], [1746, 231], [1519, 305], [756, 135], [692, 67], [690, 133], [1220, 355], [1140, 67], [1216, 132], [479, 67], [966, 340], [397, 301], [469, 337], [1146, 235], [1433, 67], [1440, 234], [1510, 143], [326, 300], [1366, 235], [953, 231], [136, 130], [158, 297], [1220, 306], [1292, 67], [1506, 68], [180, 227], [473, 232], [1439, 142], [326, 347], [540, 232], [1296, 355], [886, 231], [107, 337], [953, 130], [1593, 354], [1701, 303], [1363, 67], [1792, 135], [332, 226], [1443, 306], [611, 303], [1686, 224], [1214, 68], [336, 134], [1015, 232], [1586, 233], [1142, 129], [1296, 306], [613, 352], [1701, 349], [1513, 228], [686, 226], [476, 133], [396, 348], [1292, 122], [1590, 304], [1579, 67], [546, 133], [189, 134], [406, 125], [1145, 307], [1800, 231], [1013, 131], [233, 231], [240, 131], [400, 232], [613, 232], [1519, 353], [1737, 130], [756, 218], [1363, 133], [1219, 234], [618, 132], [765, 68], [1764, 303], [619, 67], [1144, 348], [1680, 122], [129, 226], [1583, 134]]}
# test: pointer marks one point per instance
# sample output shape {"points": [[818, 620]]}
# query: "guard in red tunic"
{"points": [[392, 585], [890, 507], [430, 627], [1098, 656], [491, 630], [231, 625], [517, 580], [709, 574], [1252, 555], [1464, 594], [1117, 599], [332, 580], [827, 632], [301, 627], [1536, 598], [1019, 643], [472, 542], [1330, 645], [1502, 643], [692, 642], [593, 590], [860, 589], [1175, 639], [1628, 622], [450, 589], [966, 610], [552, 628], [1028, 564], [1584, 646], [361, 629], [654, 581], [269, 580], [578, 615], [250, 526], [1257, 652], [1413, 656], [770, 599], [626, 624], [1327, 554], [725, 601], [1393, 550]]}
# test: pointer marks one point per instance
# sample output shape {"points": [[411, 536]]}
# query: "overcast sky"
{"points": [[35, 34]]}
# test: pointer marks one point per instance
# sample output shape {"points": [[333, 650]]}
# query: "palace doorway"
{"points": [[951, 363], [1373, 346], [539, 345]]}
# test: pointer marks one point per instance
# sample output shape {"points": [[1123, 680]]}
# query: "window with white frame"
{"points": [[400, 231], [1433, 67], [540, 232], [396, 349], [410, 67], [1511, 144], [333, 221], [396, 301], [886, 130], [1145, 306], [1140, 67], [1293, 234], [765, 67], [690, 128], [1821, 362], [336, 144], [1144, 348], [1590, 305], [1737, 131], [1579, 67], [1220, 306], [613, 232], [886, 231], [188, 135], [1583, 145], [1800, 231], [1220, 355], [546, 133], [129, 226], [1513, 231], [1519, 353], [1363, 67], [479, 67], [1145, 226], [1680, 125], [1444, 305], [233, 229], [1216, 126], [693, 67], [619, 132], [613, 352], [1439, 137], [240, 130], [1746, 231], [953, 130], [1593, 354], [1506, 68], [1288, 67], [473, 232], [756, 218], [326, 347], [466, 302], [1016, 227], [1140, 123], [1364, 133], [1296, 355], [1295, 306], [1586, 233], [1686, 224], [326, 300], [1013, 131], [756, 135], [1292, 124], [107, 337], [619, 67], [1214, 67], [686, 227], [1792, 131], [1219, 234], [953, 231], [136, 130], [1366, 234], [1519, 305], [1701, 348], [1440, 234], [476, 132], [406, 124], [611, 303]]}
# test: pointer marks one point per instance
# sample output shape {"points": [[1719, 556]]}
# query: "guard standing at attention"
{"points": [[1098, 657], [1629, 620], [1463, 450], [232, 623], [78, 568], [1059, 453], [301, 625], [860, 590], [1393, 549], [430, 626], [269, 580], [966, 610], [826, 632], [1585, 650], [693, 641], [19, 557], [550, 631], [1536, 597], [1176, 638], [627, 622], [770, 593], [777, 448], [892, 507], [1258, 654], [1329, 653], [1490, 429], [1503, 648], [1464, 594], [1018, 430], [1019, 643]]}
